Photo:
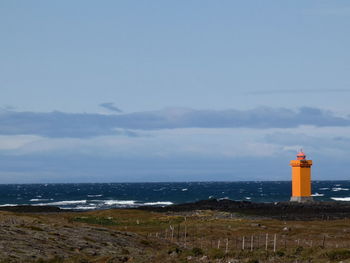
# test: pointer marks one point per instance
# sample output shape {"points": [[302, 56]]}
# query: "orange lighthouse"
{"points": [[301, 178]]}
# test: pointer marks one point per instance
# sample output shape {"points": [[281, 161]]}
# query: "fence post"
{"points": [[172, 233], [251, 243], [274, 243], [226, 250], [323, 241], [243, 243], [178, 232], [185, 234], [267, 241]]}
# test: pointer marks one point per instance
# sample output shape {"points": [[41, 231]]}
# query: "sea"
{"points": [[91, 196]]}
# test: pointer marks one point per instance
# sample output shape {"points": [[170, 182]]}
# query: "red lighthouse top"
{"points": [[301, 155]]}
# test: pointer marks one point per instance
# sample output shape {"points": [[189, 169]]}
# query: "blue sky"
{"points": [[172, 90]]}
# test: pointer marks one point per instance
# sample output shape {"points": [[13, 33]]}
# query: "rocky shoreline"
{"points": [[32, 209], [277, 210]]}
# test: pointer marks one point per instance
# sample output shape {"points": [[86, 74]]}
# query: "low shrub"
{"points": [[104, 221], [34, 228], [175, 249], [196, 251], [145, 242], [298, 250], [216, 253], [280, 253], [339, 254], [125, 251]]}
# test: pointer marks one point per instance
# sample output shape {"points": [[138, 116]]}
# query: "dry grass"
{"points": [[201, 236]]}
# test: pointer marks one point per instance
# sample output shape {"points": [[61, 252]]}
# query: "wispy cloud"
{"points": [[59, 124], [233, 153], [110, 106]]}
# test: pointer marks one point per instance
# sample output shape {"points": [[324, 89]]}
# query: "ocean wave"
{"points": [[341, 198], [59, 203], [39, 200], [158, 203], [94, 195], [317, 194], [119, 202], [9, 205], [159, 189], [336, 189], [84, 208]]}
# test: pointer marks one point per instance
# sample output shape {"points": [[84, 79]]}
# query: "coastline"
{"points": [[271, 210], [275, 210], [206, 231]]}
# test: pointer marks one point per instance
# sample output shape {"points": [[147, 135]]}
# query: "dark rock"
{"points": [[32, 209], [277, 210]]}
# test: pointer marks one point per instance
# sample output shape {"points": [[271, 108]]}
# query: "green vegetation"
{"points": [[34, 228], [195, 236], [197, 251], [338, 254], [145, 242], [104, 221], [216, 253]]}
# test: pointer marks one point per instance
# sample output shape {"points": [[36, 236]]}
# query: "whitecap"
{"points": [[9, 205], [184, 189], [336, 189], [72, 202], [84, 207], [325, 188], [94, 195], [158, 203], [317, 194], [248, 198], [38, 200], [341, 198], [119, 202], [159, 189]]}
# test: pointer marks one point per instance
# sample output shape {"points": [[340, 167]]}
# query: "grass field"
{"points": [[197, 236], [220, 235]]}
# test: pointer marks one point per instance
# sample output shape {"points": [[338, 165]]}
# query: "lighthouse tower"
{"points": [[301, 178]]}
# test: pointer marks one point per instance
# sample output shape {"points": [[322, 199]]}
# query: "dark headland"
{"points": [[277, 210]]}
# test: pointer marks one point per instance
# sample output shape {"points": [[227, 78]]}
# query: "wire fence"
{"points": [[184, 237]]}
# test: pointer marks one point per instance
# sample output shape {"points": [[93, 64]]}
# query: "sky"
{"points": [[195, 90]]}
